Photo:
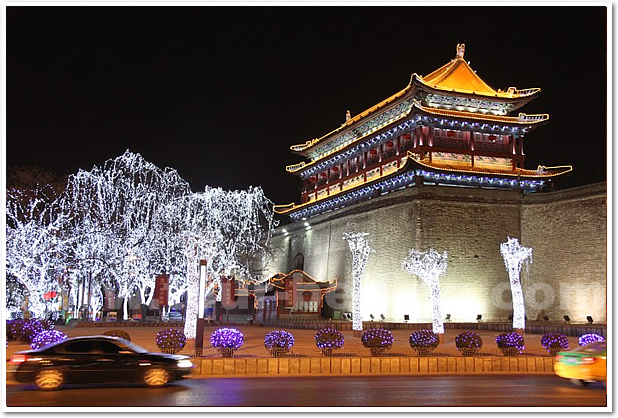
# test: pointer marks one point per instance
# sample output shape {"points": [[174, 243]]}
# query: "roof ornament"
{"points": [[461, 48], [348, 116]]}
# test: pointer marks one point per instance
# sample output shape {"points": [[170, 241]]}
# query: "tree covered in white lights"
{"points": [[115, 207], [429, 266], [357, 241], [35, 247], [117, 226], [514, 255], [228, 229]]}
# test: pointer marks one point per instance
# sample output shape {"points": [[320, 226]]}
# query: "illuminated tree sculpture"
{"points": [[360, 253], [429, 266], [514, 256]]}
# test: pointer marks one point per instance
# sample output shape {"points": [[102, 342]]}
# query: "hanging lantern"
{"points": [[335, 169], [311, 179], [492, 137], [49, 295], [322, 174], [389, 144], [373, 152], [407, 136], [450, 133]]}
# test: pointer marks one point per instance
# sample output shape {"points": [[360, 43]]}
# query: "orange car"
{"points": [[584, 364]]}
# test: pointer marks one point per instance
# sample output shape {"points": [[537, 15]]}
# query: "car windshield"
{"points": [[132, 346], [596, 347]]}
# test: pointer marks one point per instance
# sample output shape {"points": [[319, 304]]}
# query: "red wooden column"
{"points": [[472, 146]]}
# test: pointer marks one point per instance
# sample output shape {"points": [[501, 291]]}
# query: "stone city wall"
{"points": [[565, 229]]}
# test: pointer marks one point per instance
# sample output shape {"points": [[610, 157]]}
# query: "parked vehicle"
{"points": [[173, 316], [583, 364], [96, 359]]}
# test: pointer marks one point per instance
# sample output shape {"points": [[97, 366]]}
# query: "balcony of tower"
{"points": [[365, 166]]}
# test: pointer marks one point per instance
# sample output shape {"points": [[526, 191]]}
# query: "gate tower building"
{"points": [[448, 127]]}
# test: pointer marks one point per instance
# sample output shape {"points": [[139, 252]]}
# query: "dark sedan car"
{"points": [[97, 359]]}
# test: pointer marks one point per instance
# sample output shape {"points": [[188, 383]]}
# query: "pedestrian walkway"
{"points": [[304, 342]]}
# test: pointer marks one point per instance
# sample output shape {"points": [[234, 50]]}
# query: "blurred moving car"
{"points": [[584, 364], [96, 359], [173, 316]]}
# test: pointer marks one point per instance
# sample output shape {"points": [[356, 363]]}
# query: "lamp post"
{"points": [[199, 334]]}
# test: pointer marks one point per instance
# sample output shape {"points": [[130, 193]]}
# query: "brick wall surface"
{"points": [[567, 231]]}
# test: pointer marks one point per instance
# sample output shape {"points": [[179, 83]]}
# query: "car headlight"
{"points": [[184, 363]]}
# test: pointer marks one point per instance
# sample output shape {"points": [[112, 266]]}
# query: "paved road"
{"points": [[402, 391]]}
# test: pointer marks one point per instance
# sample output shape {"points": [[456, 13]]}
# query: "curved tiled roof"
{"points": [[521, 119], [454, 77], [458, 76], [541, 172]]}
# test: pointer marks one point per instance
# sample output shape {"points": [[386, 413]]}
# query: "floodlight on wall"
{"points": [[545, 318], [406, 318], [590, 320], [479, 318], [371, 316], [448, 317], [383, 317], [567, 320]]}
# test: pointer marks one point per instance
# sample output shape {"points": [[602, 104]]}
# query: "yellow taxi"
{"points": [[584, 364]]}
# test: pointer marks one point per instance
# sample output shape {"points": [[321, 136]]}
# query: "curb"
{"points": [[363, 366], [321, 366]]}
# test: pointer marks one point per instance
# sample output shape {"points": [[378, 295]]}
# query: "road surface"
{"points": [[382, 391]]}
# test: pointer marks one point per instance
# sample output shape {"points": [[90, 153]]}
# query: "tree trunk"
{"points": [[125, 308]]}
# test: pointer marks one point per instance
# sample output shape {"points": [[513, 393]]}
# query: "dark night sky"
{"points": [[221, 93]]}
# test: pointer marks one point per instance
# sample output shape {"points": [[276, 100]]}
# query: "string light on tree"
{"points": [[514, 255], [429, 266], [360, 249]]}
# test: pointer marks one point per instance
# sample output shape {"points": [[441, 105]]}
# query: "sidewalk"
{"points": [[304, 345]]}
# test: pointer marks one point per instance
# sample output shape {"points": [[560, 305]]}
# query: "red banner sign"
{"points": [[162, 286], [291, 289], [228, 287], [110, 299]]}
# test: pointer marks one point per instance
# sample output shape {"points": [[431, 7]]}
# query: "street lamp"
{"points": [[199, 335]]}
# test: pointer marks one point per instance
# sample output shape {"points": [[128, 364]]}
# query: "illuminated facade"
{"points": [[448, 127], [440, 165]]}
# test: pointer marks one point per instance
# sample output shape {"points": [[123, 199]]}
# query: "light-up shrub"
{"points": [[589, 338], [328, 339], [120, 333], [24, 330], [377, 340], [47, 336], [510, 343], [46, 323], [13, 328], [227, 340], [554, 342], [424, 341], [278, 342], [468, 343], [171, 340]]}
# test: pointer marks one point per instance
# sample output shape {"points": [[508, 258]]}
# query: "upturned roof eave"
{"points": [[526, 97], [541, 172], [504, 120], [350, 124]]}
